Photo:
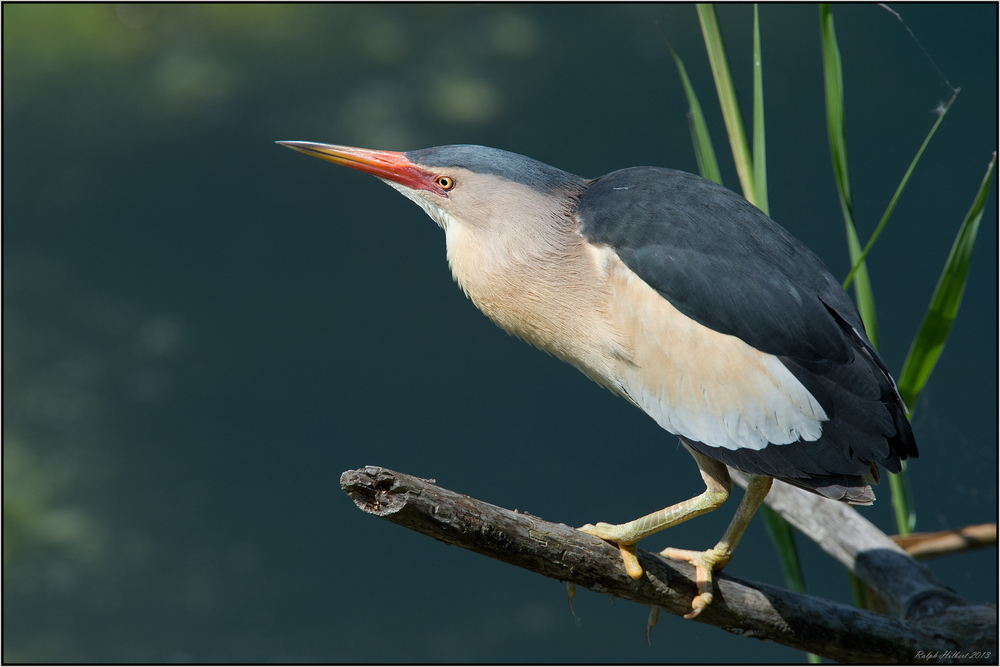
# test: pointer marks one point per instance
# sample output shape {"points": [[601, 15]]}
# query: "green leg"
{"points": [[713, 560], [718, 485]]}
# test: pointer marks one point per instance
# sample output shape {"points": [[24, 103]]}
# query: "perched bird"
{"points": [[680, 296]]}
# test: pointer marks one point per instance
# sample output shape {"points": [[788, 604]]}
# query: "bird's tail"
{"points": [[852, 489]]}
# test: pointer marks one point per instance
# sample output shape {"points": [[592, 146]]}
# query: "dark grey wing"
{"points": [[719, 260]]}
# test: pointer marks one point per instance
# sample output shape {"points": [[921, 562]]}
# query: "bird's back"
{"points": [[764, 364]]}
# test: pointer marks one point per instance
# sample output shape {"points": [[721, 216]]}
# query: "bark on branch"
{"points": [[827, 628]]}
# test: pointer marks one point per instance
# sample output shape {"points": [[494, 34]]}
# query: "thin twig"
{"points": [[946, 542]]}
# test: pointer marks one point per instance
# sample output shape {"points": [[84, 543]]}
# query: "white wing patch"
{"points": [[701, 384]]}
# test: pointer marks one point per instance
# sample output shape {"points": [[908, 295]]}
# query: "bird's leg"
{"points": [[626, 535], [713, 560]]}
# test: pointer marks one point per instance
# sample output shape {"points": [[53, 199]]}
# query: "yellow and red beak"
{"points": [[389, 165]]}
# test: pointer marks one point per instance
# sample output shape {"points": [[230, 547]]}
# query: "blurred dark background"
{"points": [[202, 330]]}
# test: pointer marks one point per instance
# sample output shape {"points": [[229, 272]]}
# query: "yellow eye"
{"points": [[445, 182]]}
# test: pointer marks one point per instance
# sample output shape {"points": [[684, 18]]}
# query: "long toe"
{"points": [[706, 563]]}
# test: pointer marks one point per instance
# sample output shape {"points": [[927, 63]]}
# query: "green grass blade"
{"points": [[863, 294], [727, 97], [902, 501], [836, 128], [899, 190], [784, 543], [704, 153], [759, 151], [930, 340], [858, 591], [833, 79], [933, 334]]}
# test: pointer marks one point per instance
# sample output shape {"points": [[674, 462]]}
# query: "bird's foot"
{"points": [[613, 533], [705, 564]]}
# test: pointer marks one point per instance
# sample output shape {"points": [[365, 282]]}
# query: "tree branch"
{"points": [[906, 585], [947, 542], [804, 622]]}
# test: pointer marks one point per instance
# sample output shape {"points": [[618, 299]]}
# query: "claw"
{"points": [[605, 532], [631, 561], [698, 604], [705, 564]]}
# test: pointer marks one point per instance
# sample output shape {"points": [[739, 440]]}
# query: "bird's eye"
{"points": [[445, 182]]}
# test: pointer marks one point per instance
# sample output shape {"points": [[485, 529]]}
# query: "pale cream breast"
{"points": [[559, 303]]}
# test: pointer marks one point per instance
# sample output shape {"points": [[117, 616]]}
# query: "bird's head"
{"points": [[511, 232], [502, 205]]}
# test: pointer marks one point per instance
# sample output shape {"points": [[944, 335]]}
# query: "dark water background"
{"points": [[202, 329]]}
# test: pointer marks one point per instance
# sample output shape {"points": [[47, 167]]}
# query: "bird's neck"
{"points": [[552, 300]]}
